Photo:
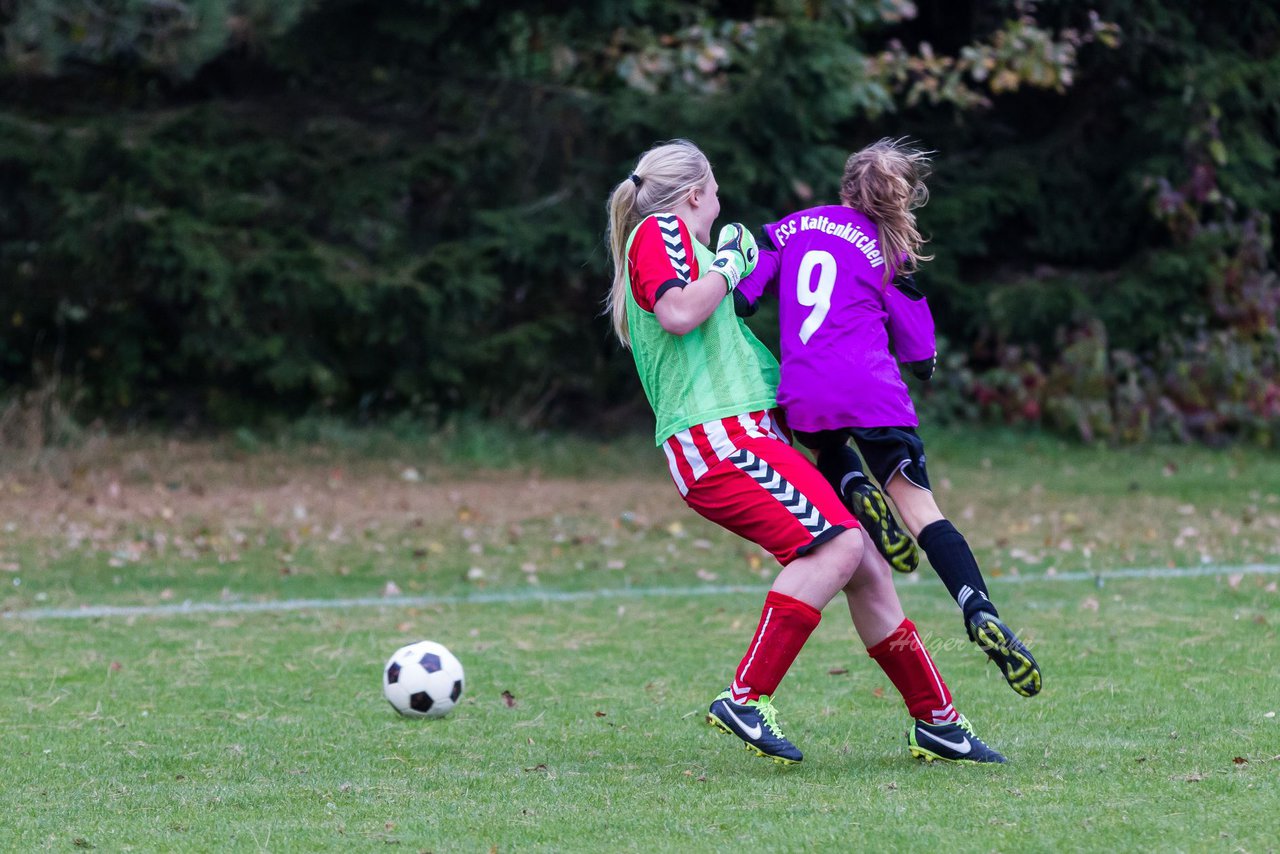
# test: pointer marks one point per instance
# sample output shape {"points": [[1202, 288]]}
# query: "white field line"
{"points": [[530, 595]]}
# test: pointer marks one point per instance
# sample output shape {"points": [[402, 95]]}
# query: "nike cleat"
{"points": [[754, 722], [1003, 647], [953, 742], [873, 514]]}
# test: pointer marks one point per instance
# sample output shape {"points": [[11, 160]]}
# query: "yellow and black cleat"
{"points": [[950, 742], [756, 723], [1010, 654], [873, 514]]}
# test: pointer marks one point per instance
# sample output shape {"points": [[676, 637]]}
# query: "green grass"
{"points": [[267, 731]]}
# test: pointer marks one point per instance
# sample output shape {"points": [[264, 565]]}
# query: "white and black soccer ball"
{"points": [[423, 680]]}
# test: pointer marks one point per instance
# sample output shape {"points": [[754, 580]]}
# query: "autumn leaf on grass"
{"points": [[509, 699]]}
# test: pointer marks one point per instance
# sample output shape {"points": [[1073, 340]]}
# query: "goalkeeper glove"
{"points": [[923, 369], [736, 254]]}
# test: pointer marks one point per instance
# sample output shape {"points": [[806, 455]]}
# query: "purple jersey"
{"points": [[842, 325]]}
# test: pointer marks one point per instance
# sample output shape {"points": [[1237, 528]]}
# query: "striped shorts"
{"points": [[743, 474]]}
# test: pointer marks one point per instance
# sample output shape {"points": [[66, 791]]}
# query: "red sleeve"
{"points": [[661, 258]]}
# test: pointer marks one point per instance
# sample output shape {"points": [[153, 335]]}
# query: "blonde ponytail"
{"points": [[885, 183], [663, 178]]}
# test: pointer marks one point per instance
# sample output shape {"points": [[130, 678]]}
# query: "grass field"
{"points": [[597, 617]]}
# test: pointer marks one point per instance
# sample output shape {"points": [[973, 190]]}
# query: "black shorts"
{"points": [[886, 450]]}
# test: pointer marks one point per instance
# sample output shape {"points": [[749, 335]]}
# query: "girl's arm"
{"points": [[764, 279], [910, 322], [663, 263], [682, 309]]}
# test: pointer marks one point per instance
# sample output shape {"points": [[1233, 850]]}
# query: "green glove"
{"points": [[736, 254]]}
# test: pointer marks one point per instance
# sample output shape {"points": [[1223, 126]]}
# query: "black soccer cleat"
{"points": [[954, 742], [872, 512], [1010, 654], [754, 722]]}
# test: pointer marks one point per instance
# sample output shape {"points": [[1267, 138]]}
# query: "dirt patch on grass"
{"points": [[125, 483]]}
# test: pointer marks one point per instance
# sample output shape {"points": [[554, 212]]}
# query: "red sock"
{"points": [[785, 624], [906, 662]]}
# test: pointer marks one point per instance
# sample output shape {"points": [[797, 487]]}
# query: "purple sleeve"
{"points": [[763, 279], [910, 324]]}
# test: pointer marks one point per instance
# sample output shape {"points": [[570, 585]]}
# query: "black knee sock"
{"points": [[841, 467], [955, 564]]}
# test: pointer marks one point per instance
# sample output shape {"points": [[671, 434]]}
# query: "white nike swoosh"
{"points": [[961, 746], [753, 733]]}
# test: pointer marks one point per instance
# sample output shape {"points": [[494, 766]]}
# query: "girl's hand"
{"points": [[736, 254]]}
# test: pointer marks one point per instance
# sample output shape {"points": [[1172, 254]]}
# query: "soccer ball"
{"points": [[422, 680]]}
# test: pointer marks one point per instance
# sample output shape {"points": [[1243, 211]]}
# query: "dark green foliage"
{"points": [[367, 207]]}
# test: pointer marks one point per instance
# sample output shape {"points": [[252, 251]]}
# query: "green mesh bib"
{"points": [[714, 371]]}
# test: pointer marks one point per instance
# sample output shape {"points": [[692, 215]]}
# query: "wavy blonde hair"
{"points": [[667, 174], [885, 183]]}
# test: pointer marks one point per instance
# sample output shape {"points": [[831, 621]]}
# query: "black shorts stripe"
{"points": [[781, 489]]}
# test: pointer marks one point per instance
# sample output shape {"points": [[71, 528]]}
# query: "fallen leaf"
{"points": [[600, 714], [1089, 604], [1234, 579], [509, 699], [539, 767], [837, 671], [877, 693], [1240, 760]]}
